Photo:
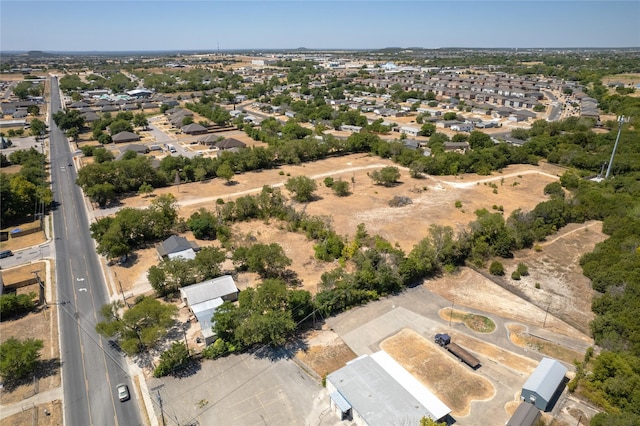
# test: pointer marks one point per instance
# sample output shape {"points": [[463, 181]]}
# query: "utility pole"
{"points": [[41, 299], [621, 120], [546, 313], [124, 299], [451, 313], [161, 409]]}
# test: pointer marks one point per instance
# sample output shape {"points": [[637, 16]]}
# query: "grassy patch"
{"points": [[478, 323]]}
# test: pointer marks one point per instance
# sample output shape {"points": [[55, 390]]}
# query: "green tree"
{"points": [[388, 176], [73, 133], [225, 172], [140, 120], [208, 263], [203, 224], [138, 328], [428, 129], [145, 189], [267, 260], [554, 190], [341, 188], [173, 359], [301, 187], [102, 193], [69, 119], [120, 126], [18, 358], [38, 127]]}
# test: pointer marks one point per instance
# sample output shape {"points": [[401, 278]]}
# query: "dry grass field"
{"points": [[437, 370], [433, 199], [36, 415]]}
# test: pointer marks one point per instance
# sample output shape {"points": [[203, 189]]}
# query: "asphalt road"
{"points": [[91, 370]]}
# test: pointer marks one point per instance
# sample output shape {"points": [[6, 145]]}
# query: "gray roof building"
{"points": [[175, 244], [125, 137], [541, 387], [194, 129], [525, 415], [376, 390], [230, 143]]}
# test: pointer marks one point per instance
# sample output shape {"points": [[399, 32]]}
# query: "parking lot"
{"points": [[241, 389]]}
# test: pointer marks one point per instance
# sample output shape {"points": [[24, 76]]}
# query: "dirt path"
{"points": [[565, 235], [277, 185]]}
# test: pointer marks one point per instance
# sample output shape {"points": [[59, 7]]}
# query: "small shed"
{"points": [[546, 380], [525, 415]]}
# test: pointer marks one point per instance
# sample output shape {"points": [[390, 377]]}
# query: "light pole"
{"points": [[451, 313], [544, 323], [621, 120]]}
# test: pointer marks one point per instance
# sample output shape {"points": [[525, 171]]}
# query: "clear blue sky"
{"points": [[190, 25]]}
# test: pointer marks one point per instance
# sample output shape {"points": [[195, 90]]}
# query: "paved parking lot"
{"points": [[241, 390]]}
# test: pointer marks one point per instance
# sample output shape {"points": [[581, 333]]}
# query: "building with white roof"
{"points": [[376, 390], [204, 298]]}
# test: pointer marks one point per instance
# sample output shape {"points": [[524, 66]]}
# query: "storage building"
{"points": [[376, 390], [541, 387]]}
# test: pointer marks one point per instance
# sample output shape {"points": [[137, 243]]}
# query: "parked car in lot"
{"points": [[123, 392]]}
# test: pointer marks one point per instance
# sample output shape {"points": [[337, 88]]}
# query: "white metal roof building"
{"points": [[376, 390], [204, 298], [541, 387]]}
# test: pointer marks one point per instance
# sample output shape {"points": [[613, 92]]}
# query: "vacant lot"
{"points": [[41, 324], [433, 199], [437, 370]]}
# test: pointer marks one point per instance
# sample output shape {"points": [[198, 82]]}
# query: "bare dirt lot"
{"points": [[40, 325], [326, 352], [436, 370], [37, 415]]}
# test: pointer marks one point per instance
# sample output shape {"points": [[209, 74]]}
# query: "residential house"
{"points": [[194, 129], [125, 137], [176, 246]]}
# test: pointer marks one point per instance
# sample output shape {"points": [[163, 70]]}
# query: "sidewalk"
{"points": [[37, 399]]}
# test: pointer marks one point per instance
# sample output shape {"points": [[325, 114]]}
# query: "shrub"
{"points": [[341, 188], [218, 349], [12, 304], [537, 285], [515, 275], [174, 358], [496, 268], [328, 182], [522, 269], [458, 204]]}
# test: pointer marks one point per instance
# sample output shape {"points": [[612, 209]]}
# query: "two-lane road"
{"points": [[91, 370]]}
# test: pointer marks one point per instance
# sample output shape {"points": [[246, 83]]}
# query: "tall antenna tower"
{"points": [[621, 120]]}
